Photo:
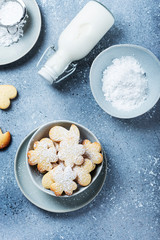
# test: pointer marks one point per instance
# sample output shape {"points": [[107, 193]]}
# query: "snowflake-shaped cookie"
{"points": [[92, 151], [60, 180], [44, 154], [71, 153]]}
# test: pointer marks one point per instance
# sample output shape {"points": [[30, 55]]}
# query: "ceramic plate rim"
{"points": [[91, 85], [45, 208], [34, 42]]}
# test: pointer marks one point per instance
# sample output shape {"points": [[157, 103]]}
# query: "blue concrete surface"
{"points": [[128, 207]]}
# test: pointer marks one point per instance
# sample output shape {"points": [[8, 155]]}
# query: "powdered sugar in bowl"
{"points": [[12, 17], [12, 12], [125, 81]]}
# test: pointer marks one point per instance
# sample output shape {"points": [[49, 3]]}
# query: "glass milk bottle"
{"points": [[77, 40]]}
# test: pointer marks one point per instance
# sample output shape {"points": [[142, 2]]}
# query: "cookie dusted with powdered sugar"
{"points": [[83, 172], [43, 155], [69, 149], [59, 180], [71, 153], [93, 151]]}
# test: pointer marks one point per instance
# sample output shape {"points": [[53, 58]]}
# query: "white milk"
{"points": [[78, 39]]}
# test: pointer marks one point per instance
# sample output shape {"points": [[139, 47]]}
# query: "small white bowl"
{"points": [[149, 63], [42, 132]]}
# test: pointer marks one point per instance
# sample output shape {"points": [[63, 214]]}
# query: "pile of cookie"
{"points": [[65, 160]]}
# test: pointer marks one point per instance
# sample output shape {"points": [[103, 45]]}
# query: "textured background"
{"points": [[129, 203]]}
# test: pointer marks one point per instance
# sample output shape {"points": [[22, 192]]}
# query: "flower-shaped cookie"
{"points": [[83, 172], [5, 139], [44, 154], [7, 92], [71, 153], [60, 180], [59, 133], [92, 151]]}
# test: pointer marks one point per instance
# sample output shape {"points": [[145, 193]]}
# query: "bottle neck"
{"points": [[55, 66]]}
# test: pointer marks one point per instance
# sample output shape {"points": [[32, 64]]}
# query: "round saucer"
{"points": [[44, 200], [32, 30]]}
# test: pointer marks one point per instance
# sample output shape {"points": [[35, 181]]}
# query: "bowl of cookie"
{"points": [[64, 158]]}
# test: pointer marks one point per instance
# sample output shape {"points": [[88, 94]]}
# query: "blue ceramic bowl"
{"points": [[148, 62]]}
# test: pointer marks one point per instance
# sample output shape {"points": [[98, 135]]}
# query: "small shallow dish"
{"points": [[42, 132], [148, 62], [32, 30]]}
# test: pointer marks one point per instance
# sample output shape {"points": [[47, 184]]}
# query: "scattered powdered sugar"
{"points": [[44, 1], [125, 84], [7, 39]]}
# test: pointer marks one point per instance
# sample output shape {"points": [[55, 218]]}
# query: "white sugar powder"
{"points": [[125, 84], [10, 13]]}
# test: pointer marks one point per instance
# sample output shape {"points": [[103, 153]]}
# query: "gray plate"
{"points": [[31, 33], [44, 200]]}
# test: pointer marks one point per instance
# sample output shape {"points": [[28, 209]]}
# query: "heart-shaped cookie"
{"points": [[5, 139], [7, 92]]}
